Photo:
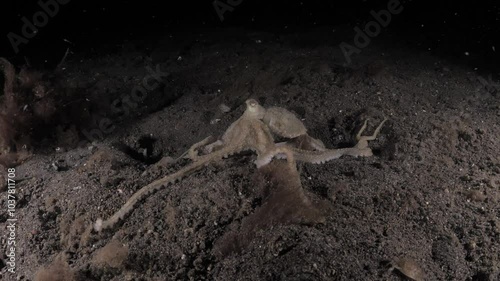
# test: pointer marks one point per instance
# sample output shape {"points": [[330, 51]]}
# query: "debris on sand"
{"points": [[284, 202], [409, 268], [58, 270]]}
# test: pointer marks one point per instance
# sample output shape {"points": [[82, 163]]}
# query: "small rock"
{"points": [[55, 166], [224, 108], [60, 149], [471, 246], [492, 183], [409, 268]]}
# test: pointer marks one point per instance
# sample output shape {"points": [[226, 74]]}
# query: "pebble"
{"points": [[409, 268], [224, 108]]}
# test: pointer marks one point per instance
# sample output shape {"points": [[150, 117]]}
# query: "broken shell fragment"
{"points": [[409, 268]]}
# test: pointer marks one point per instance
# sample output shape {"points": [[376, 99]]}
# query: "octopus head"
{"points": [[254, 109]]}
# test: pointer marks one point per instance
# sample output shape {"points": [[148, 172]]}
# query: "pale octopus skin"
{"points": [[249, 132], [285, 124], [282, 123]]}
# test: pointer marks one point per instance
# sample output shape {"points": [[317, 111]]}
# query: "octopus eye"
{"points": [[252, 103]]}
